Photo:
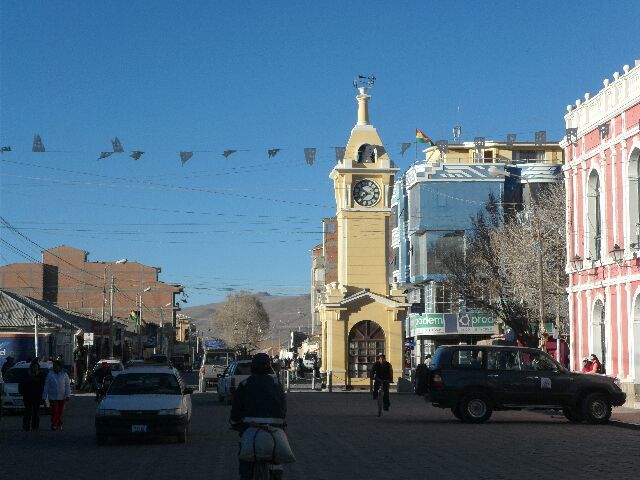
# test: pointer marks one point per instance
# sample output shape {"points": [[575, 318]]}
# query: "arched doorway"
{"points": [[635, 344], [598, 332], [366, 342]]}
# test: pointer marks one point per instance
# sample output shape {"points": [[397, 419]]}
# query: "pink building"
{"points": [[602, 178]]}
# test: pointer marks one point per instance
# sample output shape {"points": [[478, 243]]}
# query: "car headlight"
{"points": [[171, 411], [105, 412]]}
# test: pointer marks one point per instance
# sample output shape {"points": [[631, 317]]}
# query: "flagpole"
{"points": [[416, 142]]}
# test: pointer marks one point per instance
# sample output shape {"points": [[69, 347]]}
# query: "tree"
{"points": [[242, 321], [497, 272]]}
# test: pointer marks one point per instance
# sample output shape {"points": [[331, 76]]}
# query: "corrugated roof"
{"points": [[17, 311]]}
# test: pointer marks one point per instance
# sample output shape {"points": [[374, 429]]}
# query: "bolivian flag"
{"points": [[422, 138]]}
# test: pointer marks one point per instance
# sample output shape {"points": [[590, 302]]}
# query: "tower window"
{"points": [[366, 154]]}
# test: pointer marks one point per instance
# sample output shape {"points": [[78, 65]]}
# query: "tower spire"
{"points": [[363, 84]]}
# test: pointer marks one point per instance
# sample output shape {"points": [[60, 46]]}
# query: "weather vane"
{"points": [[362, 81]]}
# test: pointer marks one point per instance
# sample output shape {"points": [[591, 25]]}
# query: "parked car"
{"points": [[234, 374], [145, 401], [473, 381], [214, 363], [12, 400]]}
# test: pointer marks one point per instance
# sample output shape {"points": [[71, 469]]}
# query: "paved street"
{"points": [[334, 436]]}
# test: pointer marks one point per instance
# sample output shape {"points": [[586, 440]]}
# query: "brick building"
{"points": [[66, 278]]}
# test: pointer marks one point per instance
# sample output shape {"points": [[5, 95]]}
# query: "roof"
{"points": [[366, 294], [17, 311]]}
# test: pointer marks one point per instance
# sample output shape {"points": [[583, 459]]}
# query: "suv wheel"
{"points": [[573, 414], [596, 408], [475, 407]]}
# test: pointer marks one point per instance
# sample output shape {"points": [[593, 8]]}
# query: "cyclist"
{"points": [[382, 374], [259, 399]]}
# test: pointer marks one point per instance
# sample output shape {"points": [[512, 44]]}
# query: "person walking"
{"points": [[31, 387], [9, 362], [382, 375], [57, 389]]}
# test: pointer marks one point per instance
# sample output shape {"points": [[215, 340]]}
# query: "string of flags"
{"points": [[309, 153]]}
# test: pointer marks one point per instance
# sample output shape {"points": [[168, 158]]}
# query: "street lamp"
{"points": [[576, 263], [617, 253], [111, 290], [160, 340], [140, 322]]}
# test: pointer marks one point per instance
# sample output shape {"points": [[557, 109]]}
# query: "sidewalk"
{"points": [[626, 417]]}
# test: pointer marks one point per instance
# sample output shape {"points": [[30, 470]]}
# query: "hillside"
{"points": [[283, 314]]}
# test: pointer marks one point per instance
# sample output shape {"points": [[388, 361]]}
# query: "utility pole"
{"points": [[111, 336]]}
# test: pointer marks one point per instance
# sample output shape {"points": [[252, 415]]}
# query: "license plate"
{"points": [[139, 428]]}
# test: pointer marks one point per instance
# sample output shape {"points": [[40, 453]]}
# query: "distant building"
{"points": [[66, 278], [432, 207], [324, 266], [602, 178]]}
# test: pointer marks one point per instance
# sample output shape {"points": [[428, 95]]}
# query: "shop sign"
{"points": [[429, 324], [478, 323]]}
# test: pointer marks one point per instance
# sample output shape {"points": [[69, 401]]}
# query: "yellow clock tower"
{"points": [[361, 314]]}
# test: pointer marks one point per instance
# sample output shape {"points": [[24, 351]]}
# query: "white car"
{"points": [[145, 401], [234, 374], [115, 365], [11, 398]]}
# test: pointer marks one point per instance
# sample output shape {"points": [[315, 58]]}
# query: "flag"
{"points": [[273, 152], [117, 146], [38, 146], [404, 148], [105, 155], [310, 155], [228, 153], [5, 149], [185, 156], [136, 154], [422, 138], [340, 151]]}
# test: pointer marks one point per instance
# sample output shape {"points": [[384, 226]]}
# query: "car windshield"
{"points": [[216, 359], [116, 367], [145, 384], [243, 369]]}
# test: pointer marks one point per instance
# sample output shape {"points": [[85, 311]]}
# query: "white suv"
{"points": [[234, 374]]}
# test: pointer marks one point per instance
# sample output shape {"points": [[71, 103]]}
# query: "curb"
{"points": [[627, 425]]}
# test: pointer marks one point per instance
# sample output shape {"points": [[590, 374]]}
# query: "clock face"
{"points": [[366, 193]]}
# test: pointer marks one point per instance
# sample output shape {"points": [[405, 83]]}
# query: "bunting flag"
{"points": [[228, 153], [310, 155], [117, 146], [273, 152], [5, 149], [404, 148], [105, 155], [136, 154], [422, 138], [185, 156], [340, 151], [38, 146]]}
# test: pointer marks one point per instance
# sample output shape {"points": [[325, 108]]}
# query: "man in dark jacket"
{"points": [[31, 388], [259, 399], [382, 374]]}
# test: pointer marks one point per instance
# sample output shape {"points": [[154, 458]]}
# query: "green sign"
{"points": [[429, 324]]}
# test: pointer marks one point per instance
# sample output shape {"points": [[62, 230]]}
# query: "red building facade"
{"points": [[602, 179]]}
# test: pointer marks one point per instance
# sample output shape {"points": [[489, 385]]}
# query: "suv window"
{"points": [[503, 360], [470, 359], [537, 361], [242, 369]]}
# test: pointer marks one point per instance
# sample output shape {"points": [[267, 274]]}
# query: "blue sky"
{"points": [[252, 75]]}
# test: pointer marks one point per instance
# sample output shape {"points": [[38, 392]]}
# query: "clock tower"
{"points": [[361, 314]]}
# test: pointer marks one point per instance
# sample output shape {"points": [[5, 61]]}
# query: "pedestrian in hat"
{"points": [[57, 389]]}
